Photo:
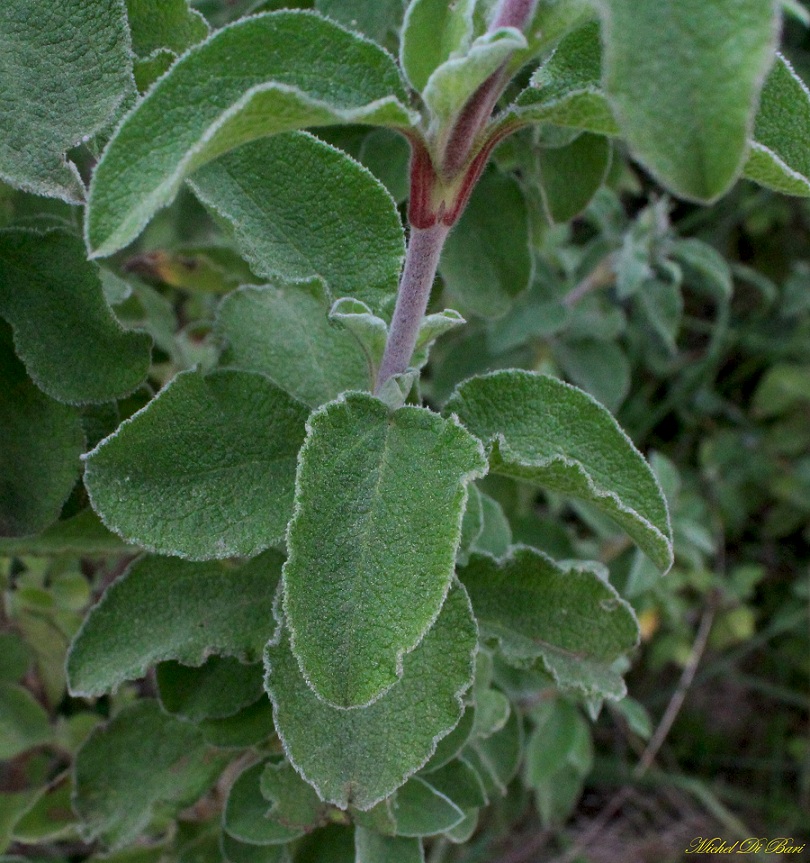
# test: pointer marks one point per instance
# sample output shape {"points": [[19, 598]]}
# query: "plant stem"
{"points": [[513, 13], [421, 262]]}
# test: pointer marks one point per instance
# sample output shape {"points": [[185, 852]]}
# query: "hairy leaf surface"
{"points": [[545, 431], [359, 757], [205, 470], [260, 76], [65, 69], [379, 503], [570, 619], [64, 331], [165, 609]]}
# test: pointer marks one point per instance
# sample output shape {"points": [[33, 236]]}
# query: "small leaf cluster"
{"points": [[315, 572]]}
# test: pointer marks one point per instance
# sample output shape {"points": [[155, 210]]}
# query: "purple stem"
{"points": [[513, 13], [421, 262]]}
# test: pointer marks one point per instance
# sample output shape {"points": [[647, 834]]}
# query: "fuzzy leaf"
{"points": [[82, 535], [234, 851], [684, 80], [551, 21], [359, 757], [379, 503], [486, 261], [65, 69], [542, 430], [496, 759], [454, 82], [372, 847], [168, 24], [285, 333], [570, 619], [433, 31], [368, 330], [205, 470], [252, 726], [64, 331], [260, 76], [301, 208], [459, 783], [496, 533], [566, 90], [376, 20], [165, 609], [419, 809], [246, 812], [294, 803], [449, 747], [217, 689], [570, 176], [141, 759], [779, 158], [39, 457]]}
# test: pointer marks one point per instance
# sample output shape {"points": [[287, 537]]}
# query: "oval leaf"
{"points": [[206, 470], [260, 76], [379, 502], [543, 430]]}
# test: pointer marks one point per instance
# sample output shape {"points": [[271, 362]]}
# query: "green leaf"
{"points": [[452, 84], [205, 470], [165, 609], [15, 657], [250, 727], [219, 688], [552, 20], [284, 332], [83, 535], [704, 267], [359, 757], [575, 623], [234, 851], [496, 533], [599, 367], [141, 759], [372, 847], [64, 331], [39, 458], [301, 208], [50, 817], [333, 844], [23, 721], [496, 759], [66, 70], [295, 804], [449, 747], [433, 31], [419, 809], [246, 812], [369, 330], [567, 89], [486, 261], [684, 80], [779, 158], [539, 429], [258, 77], [377, 20], [570, 176], [459, 783], [168, 24], [552, 739], [379, 503]]}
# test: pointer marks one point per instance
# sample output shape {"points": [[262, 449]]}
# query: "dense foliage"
{"points": [[331, 337]]}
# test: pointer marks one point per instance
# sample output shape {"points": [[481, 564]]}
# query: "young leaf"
{"points": [[64, 331], [39, 458], [567, 89], [284, 331], [246, 812], [359, 757], [220, 687], [684, 80], [433, 31], [552, 20], [165, 609], [368, 330], [379, 503], [372, 847], [301, 208], [486, 260], [570, 619], [496, 533], [141, 759], [454, 82], [65, 69], [779, 157], [543, 430], [205, 470], [570, 176], [258, 77], [23, 721]]}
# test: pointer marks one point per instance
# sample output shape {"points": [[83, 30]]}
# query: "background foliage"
{"points": [[690, 323]]}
